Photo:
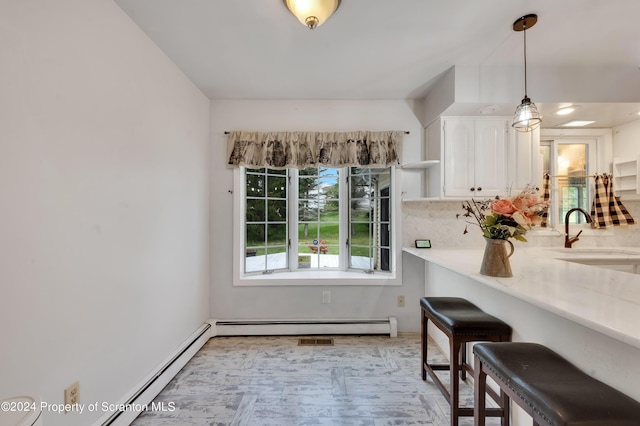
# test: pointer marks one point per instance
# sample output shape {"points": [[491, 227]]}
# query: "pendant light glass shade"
{"points": [[526, 118], [312, 13]]}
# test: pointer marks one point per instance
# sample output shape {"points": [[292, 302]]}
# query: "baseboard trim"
{"points": [[145, 391], [388, 326]]}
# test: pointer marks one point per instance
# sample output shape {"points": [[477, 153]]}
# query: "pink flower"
{"points": [[503, 206], [522, 219], [524, 201]]}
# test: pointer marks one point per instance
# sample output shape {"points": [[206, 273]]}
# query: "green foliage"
{"points": [[500, 227], [318, 211], [266, 202]]}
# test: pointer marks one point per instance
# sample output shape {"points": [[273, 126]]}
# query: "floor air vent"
{"points": [[314, 341]]}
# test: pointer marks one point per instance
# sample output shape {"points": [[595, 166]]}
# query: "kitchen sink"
{"points": [[609, 258], [597, 252]]}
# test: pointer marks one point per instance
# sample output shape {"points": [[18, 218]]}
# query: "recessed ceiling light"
{"points": [[565, 111], [577, 123], [568, 109]]}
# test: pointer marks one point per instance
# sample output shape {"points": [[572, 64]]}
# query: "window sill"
{"points": [[323, 278]]}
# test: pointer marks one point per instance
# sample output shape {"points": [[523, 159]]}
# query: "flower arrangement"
{"points": [[504, 218]]}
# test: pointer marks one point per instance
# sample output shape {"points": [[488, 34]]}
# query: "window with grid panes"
{"points": [[317, 219]]}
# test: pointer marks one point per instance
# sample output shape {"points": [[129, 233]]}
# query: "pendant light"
{"points": [[312, 13], [526, 118]]}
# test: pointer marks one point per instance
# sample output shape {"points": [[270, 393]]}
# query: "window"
{"points": [[317, 219], [569, 162], [266, 233], [369, 219]]}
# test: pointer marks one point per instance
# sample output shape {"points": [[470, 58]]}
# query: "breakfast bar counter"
{"points": [[557, 297], [602, 299]]}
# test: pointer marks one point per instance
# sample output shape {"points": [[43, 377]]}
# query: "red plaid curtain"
{"points": [[607, 209]]}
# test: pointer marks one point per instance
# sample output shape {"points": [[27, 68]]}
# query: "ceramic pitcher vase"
{"points": [[495, 262]]}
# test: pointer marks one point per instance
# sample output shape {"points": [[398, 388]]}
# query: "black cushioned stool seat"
{"points": [[461, 321], [549, 388]]}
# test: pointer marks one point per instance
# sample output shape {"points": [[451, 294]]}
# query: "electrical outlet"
{"points": [[400, 301], [326, 297], [72, 394]]}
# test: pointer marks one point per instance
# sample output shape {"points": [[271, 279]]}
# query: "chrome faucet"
{"points": [[567, 240]]}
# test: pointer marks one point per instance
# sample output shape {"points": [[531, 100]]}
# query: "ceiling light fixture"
{"points": [[526, 118], [568, 109], [577, 123], [565, 111], [312, 13]]}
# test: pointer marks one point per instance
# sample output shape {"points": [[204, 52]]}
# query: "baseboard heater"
{"points": [[387, 326], [150, 387]]}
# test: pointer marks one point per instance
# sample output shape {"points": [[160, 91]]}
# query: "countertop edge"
{"points": [[505, 285]]}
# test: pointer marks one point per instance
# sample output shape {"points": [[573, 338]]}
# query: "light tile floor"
{"points": [[270, 381]]}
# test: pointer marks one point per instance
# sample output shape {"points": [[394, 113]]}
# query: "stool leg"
{"points": [[463, 361], [504, 398], [506, 407], [479, 394], [454, 353], [425, 338]]}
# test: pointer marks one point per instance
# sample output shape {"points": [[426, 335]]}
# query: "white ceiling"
{"points": [[386, 49]]}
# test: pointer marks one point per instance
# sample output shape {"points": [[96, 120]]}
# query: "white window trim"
{"points": [[298, 277]]}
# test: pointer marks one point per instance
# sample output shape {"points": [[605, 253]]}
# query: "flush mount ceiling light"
{"points": [[526, 118], [577, 123], [567, 110], [312, 13]]}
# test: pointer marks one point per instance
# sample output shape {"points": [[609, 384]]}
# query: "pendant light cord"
{"points": [[524, 31]]}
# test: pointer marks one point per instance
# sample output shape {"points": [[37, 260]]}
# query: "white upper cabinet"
{"points": [[525, 162], [481, 157], [474, 157]]}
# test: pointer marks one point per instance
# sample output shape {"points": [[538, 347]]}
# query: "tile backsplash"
{"points": [[436, 220]]}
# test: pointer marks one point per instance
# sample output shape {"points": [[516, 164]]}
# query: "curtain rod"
{"points": [[406, 132], [577, 176]]}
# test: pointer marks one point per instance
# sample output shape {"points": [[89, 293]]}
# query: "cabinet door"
{"points": [[458, 157], [490, 157], [525, 164]]}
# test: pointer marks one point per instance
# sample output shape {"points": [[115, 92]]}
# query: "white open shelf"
{"points": [[421, 164], [626, 177]]}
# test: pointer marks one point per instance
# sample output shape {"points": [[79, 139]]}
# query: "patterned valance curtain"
{"points": [[607, 209], [300, 150]]}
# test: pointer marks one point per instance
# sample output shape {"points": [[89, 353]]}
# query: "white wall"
{"points": [[626, 140], [302, 301], [546, 83], [103, 203]]}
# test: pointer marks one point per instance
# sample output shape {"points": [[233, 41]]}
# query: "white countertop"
{"points": [[604, 300]]}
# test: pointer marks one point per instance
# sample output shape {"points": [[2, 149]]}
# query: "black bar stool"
{"points": [[461, 321], [548, 387]]}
